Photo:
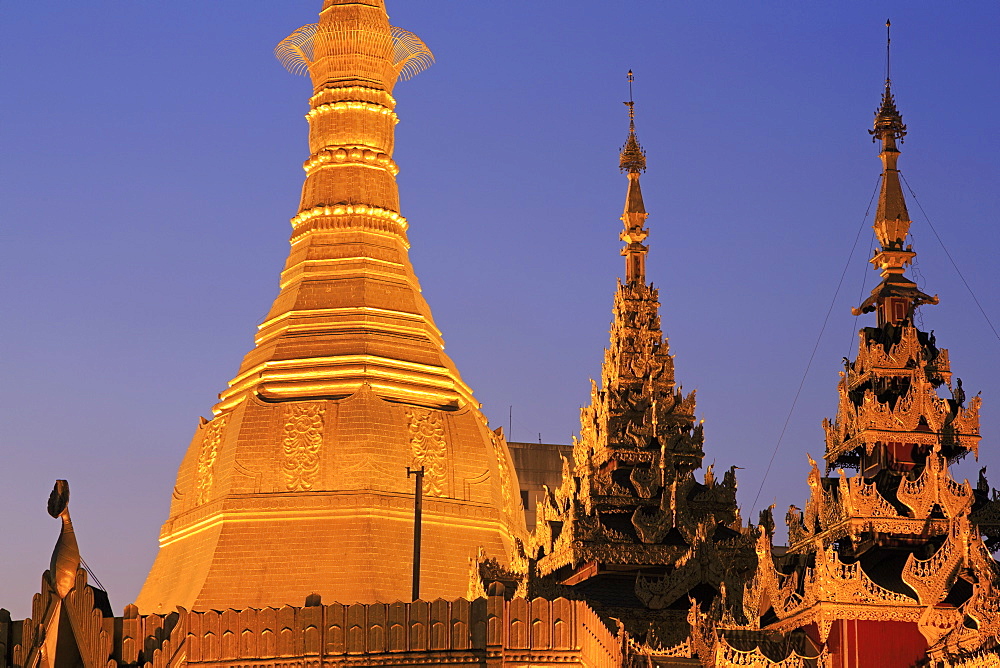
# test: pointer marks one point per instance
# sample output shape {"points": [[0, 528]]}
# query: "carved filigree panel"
{"points": [[301, 443], [427, 444], [210, 441]]}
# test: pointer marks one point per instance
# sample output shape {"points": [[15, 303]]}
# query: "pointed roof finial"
{"points": [[896, 296], [633, 158], [888, 121], [633, 161]]}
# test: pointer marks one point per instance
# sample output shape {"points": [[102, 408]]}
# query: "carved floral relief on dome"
{"points": [[210, 442], [428, 446], [301, 444]]}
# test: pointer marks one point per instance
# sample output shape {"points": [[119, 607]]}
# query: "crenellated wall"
{"points": [[482, 632]]}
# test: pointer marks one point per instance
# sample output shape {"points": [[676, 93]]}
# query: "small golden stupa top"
{"points": [[66, 556], [372, 3]]}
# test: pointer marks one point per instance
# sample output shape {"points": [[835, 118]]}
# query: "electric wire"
{"points": [[950, 258], [819, 338], [861, 298], [918, 278]]}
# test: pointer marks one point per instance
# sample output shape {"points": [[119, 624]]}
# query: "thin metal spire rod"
{"points": [[888, 41], [631, 102], [812, 355]]}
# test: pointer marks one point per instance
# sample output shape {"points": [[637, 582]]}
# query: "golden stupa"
{"points": [[298, 484]]}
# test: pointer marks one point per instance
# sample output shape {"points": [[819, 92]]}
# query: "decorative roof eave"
{"points": [[825, 613], [895, 286], [901, 527], [919, 417], [835, 590], [869, 438]]}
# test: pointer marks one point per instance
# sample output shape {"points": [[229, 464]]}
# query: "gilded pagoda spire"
{"points": [[896, 296], [893, 550], [630, 513], [633, 161]]}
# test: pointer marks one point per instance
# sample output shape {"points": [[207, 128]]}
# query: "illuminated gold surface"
{"points": [[298, 484]]}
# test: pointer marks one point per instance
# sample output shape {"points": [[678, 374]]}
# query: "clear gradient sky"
{"points": [[151, 158]]}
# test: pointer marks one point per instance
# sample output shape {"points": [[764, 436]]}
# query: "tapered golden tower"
{"points": [[298, 484], [631, 530]]}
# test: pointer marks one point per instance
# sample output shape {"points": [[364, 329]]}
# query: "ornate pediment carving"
{"points": [[651, 524], [646, 481], [935, 487]]}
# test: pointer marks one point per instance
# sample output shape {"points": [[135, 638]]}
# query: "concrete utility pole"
{"points": [[418, 502]]}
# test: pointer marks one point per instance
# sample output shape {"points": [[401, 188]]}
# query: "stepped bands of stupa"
{"points": [[298, 485]]}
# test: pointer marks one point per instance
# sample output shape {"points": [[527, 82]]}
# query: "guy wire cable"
{"points": [[950, 258], [819, 338]]}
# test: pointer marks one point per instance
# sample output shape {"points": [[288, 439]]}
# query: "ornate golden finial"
{"points": [[633, 158], [896, 296], [633, 161], [888, 122]]}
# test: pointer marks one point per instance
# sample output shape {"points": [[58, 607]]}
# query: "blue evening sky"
{"points": [[151, 158]]}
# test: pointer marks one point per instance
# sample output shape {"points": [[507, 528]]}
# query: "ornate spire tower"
{"points": [[298, 483], [631, 530], [889, 564]]}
